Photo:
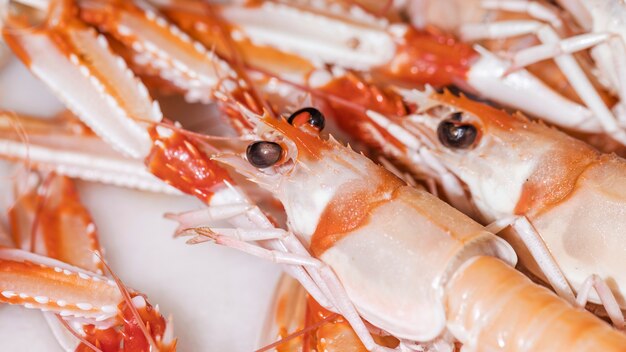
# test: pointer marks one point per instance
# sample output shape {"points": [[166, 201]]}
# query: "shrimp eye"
{"points": [[454, 134], [310, 116], [262, 154]]}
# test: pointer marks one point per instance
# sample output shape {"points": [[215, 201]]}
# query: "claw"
{"points": [[43, 283], [161, 47], [96, 84], [78, 65], [68, 148]]}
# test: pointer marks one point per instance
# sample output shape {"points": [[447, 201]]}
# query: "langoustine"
{"points": [[361, 221], [170, 153], [562, 196]]}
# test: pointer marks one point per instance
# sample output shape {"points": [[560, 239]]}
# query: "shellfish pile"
{"points": [[427, 175]]}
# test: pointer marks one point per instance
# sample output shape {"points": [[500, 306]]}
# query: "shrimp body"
{"points": [[398, 292]]}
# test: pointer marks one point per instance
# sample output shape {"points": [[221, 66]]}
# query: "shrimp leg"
{"points": [[566, 63], [330, 284], [606, 297], [540, 252], [342, 302], [529, 56]]}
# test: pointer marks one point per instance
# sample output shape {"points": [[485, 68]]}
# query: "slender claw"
{"points": [[83, 72], [158, 46], [68, 148], [43, 283]]}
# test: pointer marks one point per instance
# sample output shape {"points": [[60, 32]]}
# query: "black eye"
{"points": [[310, 116], [263, 154], [453, 134]]}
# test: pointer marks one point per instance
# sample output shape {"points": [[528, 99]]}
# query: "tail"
{"points": [[491, 306]]}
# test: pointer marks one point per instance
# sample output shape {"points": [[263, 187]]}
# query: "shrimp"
{"points": [[408, 262], [170, 153], [563, 198]]}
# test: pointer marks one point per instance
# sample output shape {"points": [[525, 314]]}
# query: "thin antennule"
{"points": [[225, 96], [299, 333], [315, 92], [129, 302], [82, 339], [195, 135]]}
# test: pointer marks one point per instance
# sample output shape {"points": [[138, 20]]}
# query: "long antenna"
{"points": [[82, 339]]}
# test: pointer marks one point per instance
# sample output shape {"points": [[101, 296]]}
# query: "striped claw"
{"points": [[48, 284], [79, 66], [67, 147]]}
